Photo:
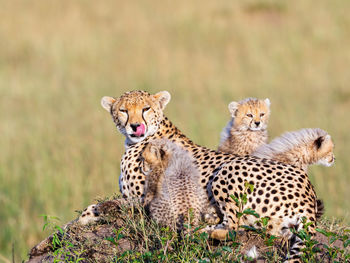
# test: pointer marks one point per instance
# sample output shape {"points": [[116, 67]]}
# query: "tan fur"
{"points": [[153, 165], [247, 129], [300, 148], [143, 109], [172, 189]]}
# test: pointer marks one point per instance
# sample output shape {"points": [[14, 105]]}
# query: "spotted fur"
{"points": [[281, 192]]}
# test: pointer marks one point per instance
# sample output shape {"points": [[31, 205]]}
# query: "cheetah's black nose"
{"points": [[134, 126], [257, 123]]}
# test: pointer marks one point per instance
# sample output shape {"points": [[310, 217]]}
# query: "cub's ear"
{"points": [[318, 142], [107, 103], [232, 107], [323, 141], [267, 102], [155, 151], [163, 98]]}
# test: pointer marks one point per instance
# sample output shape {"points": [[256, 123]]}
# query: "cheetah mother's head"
{"points": [[137, 114]]}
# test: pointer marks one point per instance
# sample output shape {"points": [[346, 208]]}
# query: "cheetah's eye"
{"points": [[250, 115], [145, 109], [123, 110], [262, 114]]}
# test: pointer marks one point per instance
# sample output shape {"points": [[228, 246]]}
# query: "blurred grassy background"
{"points": [[59, 149]]}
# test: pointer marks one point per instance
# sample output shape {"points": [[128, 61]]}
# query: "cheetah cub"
{"points": [[300, 148], [172, 189], [246, 130]]}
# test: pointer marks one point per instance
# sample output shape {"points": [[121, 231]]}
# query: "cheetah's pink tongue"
{"points": [[140, 130]]}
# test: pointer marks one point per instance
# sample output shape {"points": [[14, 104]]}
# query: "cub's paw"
{"points": [[89, 215], [219, 234]]}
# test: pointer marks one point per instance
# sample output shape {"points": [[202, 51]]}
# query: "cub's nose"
{"points": [[257, 123], [134, 126]]}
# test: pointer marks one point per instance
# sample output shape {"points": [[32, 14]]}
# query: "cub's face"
{"points": [[137, 114], [325, 150], [250, 114]]}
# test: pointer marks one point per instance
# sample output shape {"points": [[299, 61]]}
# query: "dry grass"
{"points": [[59, 148]]}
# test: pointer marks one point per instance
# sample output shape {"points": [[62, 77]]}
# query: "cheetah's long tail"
{"points": [[319, 209]]}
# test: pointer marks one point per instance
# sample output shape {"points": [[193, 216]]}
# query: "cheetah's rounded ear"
{"points": [[323, 141], [232, 107], [163, 97], [318, 142], [107, 102], [267, 102], [154, 150], [158, 152]]}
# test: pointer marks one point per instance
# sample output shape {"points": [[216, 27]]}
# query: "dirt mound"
{"points": [[124, 233]]}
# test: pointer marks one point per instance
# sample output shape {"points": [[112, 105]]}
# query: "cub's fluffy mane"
{"points": [[180, 159], [247, 100], [225, 133], [180, 188], [290, 140]]}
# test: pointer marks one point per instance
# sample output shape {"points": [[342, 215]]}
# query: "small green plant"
{"points": [[312, 247], [242, 201], [63, 249], [261, 222], [50, 222], [118, 236], [335, 252]]}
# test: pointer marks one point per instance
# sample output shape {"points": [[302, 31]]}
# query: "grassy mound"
{"points": [[125, 234]]}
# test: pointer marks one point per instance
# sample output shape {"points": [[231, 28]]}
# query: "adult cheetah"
{"points": [[139, 116]]}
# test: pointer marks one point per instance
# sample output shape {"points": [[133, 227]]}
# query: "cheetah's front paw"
{"points": [[89, 215]]}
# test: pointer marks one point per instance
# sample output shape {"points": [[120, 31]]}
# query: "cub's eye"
{"points": [[145, 109], [250, 115], [262, 114], [123, 110]]}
